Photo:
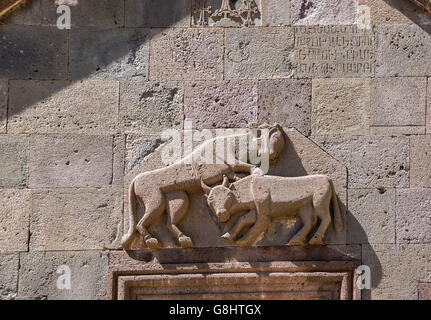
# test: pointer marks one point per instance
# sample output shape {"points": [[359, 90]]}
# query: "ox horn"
{"points": [[225, 181], [206, 188]]}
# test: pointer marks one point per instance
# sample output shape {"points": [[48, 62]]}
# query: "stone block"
{"points": [[413, 216], [287, 102], [372, 161], [397, 131], [158, 13], [119, 152], [186, 54], [14, 161], [420, 157], [36, 52], [398, 102], [396, 270], [108, 53], [70, 161], [340, 107], [428, 115], [403, 50], [99, 13], [151, 105], [276, 13], [371, 216], [424, 291], [333, 52], [259, 53], [75, 219], [227, 104], [40, 272], [14, 217], [89, 107], [3, 105], [9, 264], [323, 12]]}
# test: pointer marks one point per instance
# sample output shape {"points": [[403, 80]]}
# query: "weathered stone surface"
{"points": [[119, 148], [75, 219], [8, 275], [101, 13], [151, 105], [413, 216], [420, 161], [186, 54], [259, 53], [372, 161], [158, 13], [396, 270], [424, 291], [276, 13], [70, 161], [371, 216], [14, 216], [139, 147], [403, 50], [398, 102], [323, 12], [14, 161], [36, 52], [89, 107], [3, 105], [287, 102], [229, 104], [108, 53], [333, 52], [394, 12], [38, 274], [428, 116], [397, 131], [340, 107]]}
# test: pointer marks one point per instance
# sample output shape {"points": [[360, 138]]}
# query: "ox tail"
{"points": [[338, 221], [128, 237]]}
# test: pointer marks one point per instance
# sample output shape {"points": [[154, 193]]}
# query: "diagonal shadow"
{"points": [[412, 12]]}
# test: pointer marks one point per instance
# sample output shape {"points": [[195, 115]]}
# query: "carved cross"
{"points": [[202, 12], [226, 11], [251, 10]]}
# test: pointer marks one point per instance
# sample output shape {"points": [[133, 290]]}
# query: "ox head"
{"points": [[219, 199]]}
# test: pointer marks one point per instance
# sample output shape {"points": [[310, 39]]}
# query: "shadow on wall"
{"points": [[412, 12]]}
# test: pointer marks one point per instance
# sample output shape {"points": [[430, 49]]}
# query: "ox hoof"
{"points": [[242, 244], [296, 242], [152, 244], [315, 241], [227, 236], [185, 242]]}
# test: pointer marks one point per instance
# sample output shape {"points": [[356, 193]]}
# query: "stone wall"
{"points": [[80, 108]]}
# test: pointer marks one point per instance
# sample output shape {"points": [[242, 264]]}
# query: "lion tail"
{"points": [[338, 221], [128, 237]]}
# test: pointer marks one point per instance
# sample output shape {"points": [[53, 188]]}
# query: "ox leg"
{"points": [[177, 207], [309, 220], [262, 223], [325, 221], [154, 208], [244, 221]]}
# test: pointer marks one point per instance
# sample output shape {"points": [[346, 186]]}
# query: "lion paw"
{"points": [[316, 241], [152, 243], [185, 242], [243, 244], [296, 242]]}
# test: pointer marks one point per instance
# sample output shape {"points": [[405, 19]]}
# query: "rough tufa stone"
{"points": [[287, 102], [259, 53], [13, 159], [151, 106], [340, 107], [108, 53], [186, 54], [276, 13], [403, 50], [371, 216], [398, 102], [89, 107], [420, 161], [75, 219], [40, 271], [372, 162], [9, 264], [424, 291], [14, 217], [3, 105], [158, 13], [70, 161], [227, 104], [413, 216], [323, 12], [36, 52]]}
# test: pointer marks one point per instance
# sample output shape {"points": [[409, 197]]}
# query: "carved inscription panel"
{"points": [[333, 51]]}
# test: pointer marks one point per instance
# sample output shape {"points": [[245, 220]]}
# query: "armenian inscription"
{"points": [[333, 51]]}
